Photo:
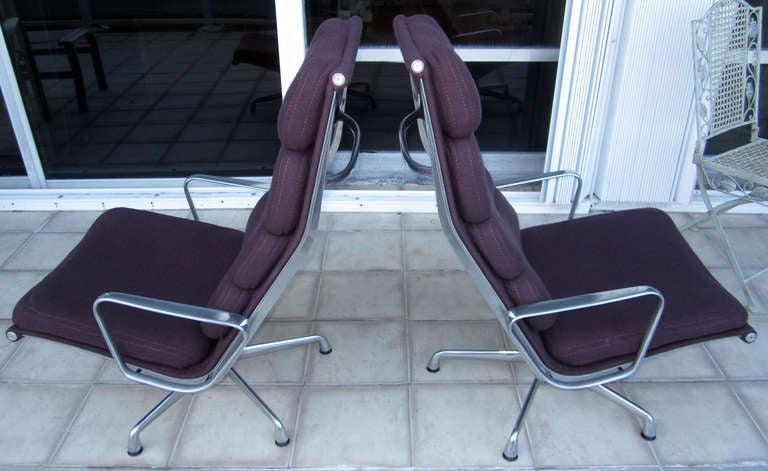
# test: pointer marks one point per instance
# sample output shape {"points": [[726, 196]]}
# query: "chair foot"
{"points": [[134, 441], [135, 453], [649, 424], [507, 458], [282, 444], [497, 355], [749, 338], [326, 352], [281, 435], [510, 451]]}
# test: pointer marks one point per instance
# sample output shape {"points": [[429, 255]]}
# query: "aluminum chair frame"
{"points": [[510, 318], [246, 327], [726, 55]]}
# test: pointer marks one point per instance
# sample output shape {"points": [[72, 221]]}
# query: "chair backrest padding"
{"points": [[278, 221], [484, 220]]}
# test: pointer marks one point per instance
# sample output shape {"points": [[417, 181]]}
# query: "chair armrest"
{"points": [[165, 308], [227, 181], [573, 303], [525, 180]]}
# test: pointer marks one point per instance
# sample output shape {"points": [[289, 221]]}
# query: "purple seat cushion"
{"points": [[137, 252], [484, 220], [617, 250]]}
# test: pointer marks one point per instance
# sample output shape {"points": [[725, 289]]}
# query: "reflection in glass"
{"points": [[466, 22], [171, 101], [11, 164]]}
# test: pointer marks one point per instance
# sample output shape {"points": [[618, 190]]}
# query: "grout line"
{"points": [[747, 410], [70, 425], [407, 346], [182, 425]]}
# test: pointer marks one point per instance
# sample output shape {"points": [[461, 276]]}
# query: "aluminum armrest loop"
{"points": [[349, 123], [402, 137], [544, 177], [564, 305], [227, 181], [172, 309]]}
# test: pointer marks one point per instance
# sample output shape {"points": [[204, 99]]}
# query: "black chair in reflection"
{"points": [[260, 49], [23, 53]]}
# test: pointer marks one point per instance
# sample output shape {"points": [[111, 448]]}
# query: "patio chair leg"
{"points": [[262, 348], [134, 442], [510, 451], [501, 355], [281, 435], [649, 424]]}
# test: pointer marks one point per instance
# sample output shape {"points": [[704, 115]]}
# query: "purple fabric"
{"points": [[486, 223], [136, 252], [277, 223], [195, 263], [616, 250]]}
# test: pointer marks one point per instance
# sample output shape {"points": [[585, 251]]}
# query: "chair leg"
{"points": [[77, 77], [649, 424], [510, 451], [713, 213], [98, 66], [134, 442], [501, 355], [281, 435], [263, 348]]}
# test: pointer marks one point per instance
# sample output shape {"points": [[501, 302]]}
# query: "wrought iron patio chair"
{"points": [[585, 300], [175, 302], [726, 53]]}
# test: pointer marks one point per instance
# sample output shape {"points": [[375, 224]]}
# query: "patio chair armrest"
{"points": [[226, 181], [527, 179], [165, 308], [573, 303]]}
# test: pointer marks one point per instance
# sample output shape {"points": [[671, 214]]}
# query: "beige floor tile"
{"points": [[225, 428], [6, 348], [727, 277], [755, 398], [365, 222], [686, 363], [357, 251], [707, 246], [34, 419], [429, 250], [458, 425], [99, 434], [371, 352], [362, 295], [298, 301], [13, 285], [71, 221], [39, 360], [421, 222], [750, 246], [43, 251], [581, 428], [444, 296], [285, 366], [742, 360], [354, 427], [699, 423], [427, 337], [10, 242], [25, 221], [316, 253]]}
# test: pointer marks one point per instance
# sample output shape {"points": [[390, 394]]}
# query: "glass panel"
{"points": [[11, 163], [171, 101], [466, 22]]}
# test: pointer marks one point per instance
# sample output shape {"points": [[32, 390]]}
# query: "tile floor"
{"points": [[387, 291]]}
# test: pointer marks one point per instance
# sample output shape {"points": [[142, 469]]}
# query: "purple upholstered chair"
{"points": [[175, 302], [586, 300]]}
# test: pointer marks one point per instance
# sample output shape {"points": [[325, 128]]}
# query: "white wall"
{"points": [[649, 135]]}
